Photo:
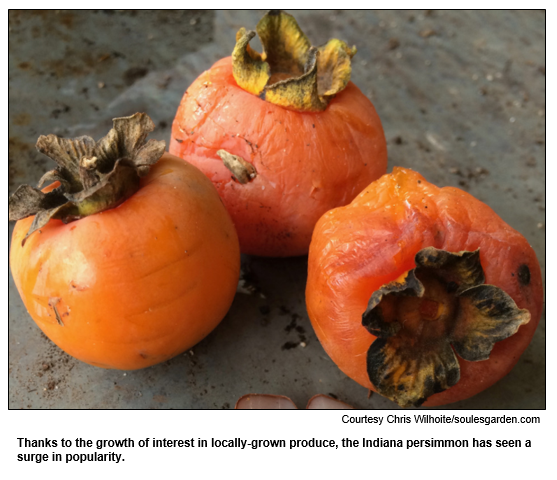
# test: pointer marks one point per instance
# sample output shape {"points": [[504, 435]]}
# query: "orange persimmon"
{"points": [[421, 293], [284, 136], [137, 283]]}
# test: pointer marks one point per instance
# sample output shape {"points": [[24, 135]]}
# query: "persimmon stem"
{"points": [[243, 171], [87, 172]]}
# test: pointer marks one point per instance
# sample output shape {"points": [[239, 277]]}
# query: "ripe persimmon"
{"points": [[283, 135], [421, 293], [123, 262]]}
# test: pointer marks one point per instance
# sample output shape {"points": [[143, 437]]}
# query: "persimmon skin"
{"points": [[137, 284], [307, 163], [358, 248]]}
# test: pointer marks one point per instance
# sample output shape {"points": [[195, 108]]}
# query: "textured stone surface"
{"points": [[462, 100]]}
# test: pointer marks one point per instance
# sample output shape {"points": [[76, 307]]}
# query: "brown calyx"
{"points": [[443, 302], [93, 176], [290, 72]]}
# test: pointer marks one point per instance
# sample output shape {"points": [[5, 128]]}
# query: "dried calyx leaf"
{"points": [[417, 317], [93, 176], [290, 72]]}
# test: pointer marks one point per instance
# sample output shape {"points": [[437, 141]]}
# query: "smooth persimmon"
{"points": [[284, 136], [138, 282], [421, 293]]}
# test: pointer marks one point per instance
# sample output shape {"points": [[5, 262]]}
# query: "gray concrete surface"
{"points": [[462, 100]]}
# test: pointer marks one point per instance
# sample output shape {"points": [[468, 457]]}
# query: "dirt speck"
{"points": [[427, 32], [293, 323], [289, 345], [132, 75], [59, 110]]}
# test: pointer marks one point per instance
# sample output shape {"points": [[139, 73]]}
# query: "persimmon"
{"points": [[284, 135], [421, 293], [129, 257]]}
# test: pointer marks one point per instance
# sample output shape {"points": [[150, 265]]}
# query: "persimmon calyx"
{"points": [[417, 317], [93, 176], [290, 72]]}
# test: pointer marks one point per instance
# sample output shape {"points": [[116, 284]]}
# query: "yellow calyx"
{"points": [[290, 72]]}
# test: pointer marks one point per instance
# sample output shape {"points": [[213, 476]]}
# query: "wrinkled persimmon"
{"points": [[421, 293], [135, 284], [283, 135]]}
